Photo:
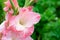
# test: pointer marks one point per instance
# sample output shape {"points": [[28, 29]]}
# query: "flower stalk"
{"points": [[27, 2], [14, 9]]}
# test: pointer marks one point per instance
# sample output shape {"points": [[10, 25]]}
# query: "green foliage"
{"points": [[2, 15], [49, 26]]}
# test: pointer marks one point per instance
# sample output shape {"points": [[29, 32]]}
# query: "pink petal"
{"points": [[8, 36], [11, 35], [30, 8], [2, 27], [7, 3], [28, 17], [22, 33], [5, 9], [25, 9], [27, 32], [9, 14]]}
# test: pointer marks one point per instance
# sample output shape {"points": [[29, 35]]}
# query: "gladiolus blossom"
{"points": [[20, 26]]}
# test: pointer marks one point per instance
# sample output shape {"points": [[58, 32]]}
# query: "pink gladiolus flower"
{"points": [[20, 26], [23, 23]]}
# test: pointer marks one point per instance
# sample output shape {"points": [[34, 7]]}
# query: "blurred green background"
{"points": [[49, 26]]}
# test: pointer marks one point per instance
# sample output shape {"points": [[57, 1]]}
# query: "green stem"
{"points": [[39, 37], [27, 3], [13, 7]]}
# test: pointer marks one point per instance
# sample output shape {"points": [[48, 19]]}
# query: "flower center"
{"points": [[21, 22]]}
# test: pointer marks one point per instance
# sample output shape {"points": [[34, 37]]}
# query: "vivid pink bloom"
{"points": [[23, 23], [21, 26]]}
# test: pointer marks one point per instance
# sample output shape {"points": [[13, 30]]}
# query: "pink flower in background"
{"points": [[8, 4]]}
